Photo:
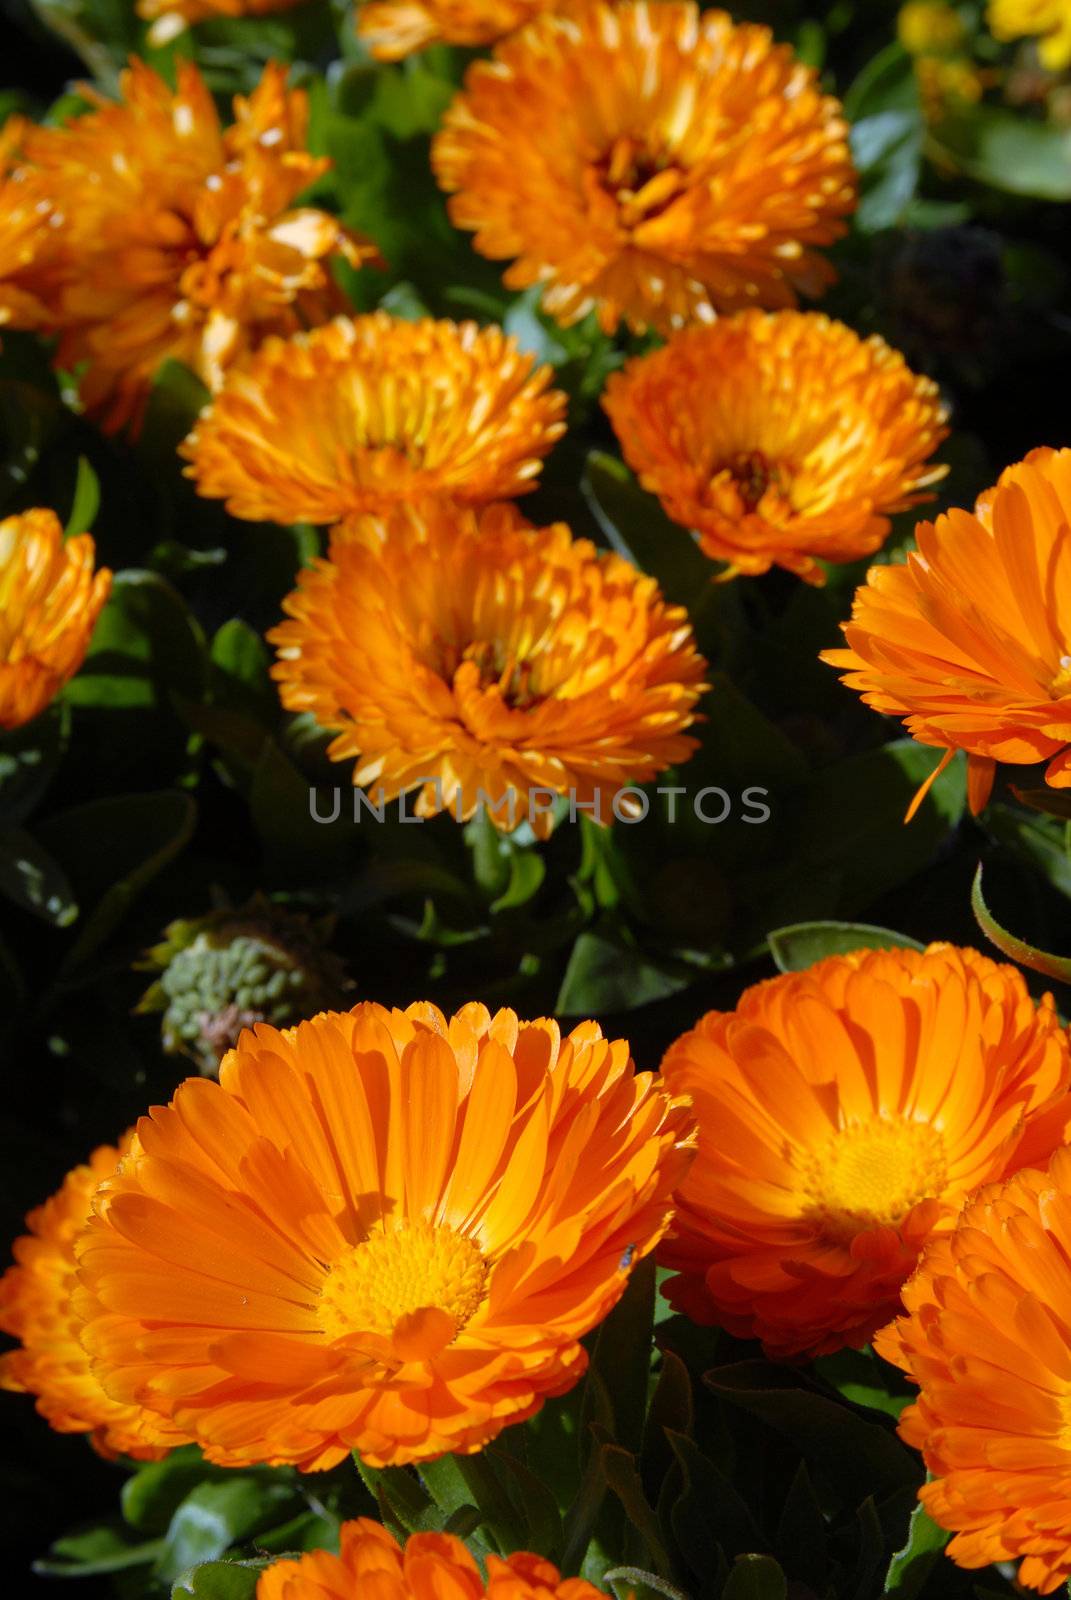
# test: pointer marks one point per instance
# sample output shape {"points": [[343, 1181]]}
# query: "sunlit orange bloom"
{"points": [[970, 642], [432, 1566], [542, 667], [396, 28], [183, 239], [169, 18], [27, 241], [50, 599], [37, 1306], [371, 411], [988, 1340], [651, 161], [845, 1112], [381, 1230], [781, 438]]}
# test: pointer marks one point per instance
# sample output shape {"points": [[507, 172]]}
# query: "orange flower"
{"points": [[396, 28], [650, 161], [37, 1306], [970, 642], [169, 18], [370, 411], [780, 438], [988, 1340], [542, 667], [381, 1230], [50, 599], [183, 240], [27, 241], [432, 1566], [845, 1112]]}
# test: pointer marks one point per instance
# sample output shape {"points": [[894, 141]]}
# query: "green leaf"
{"points": [[887, 148], [152, 1494], [638, 529], [220, 1580], [1027, 955], [911, 1566], [622, 1353], [534, 1501], [30, 878], [215, 1516], [402, 1500], [240, 665], [851, 1450], [799, 946], [112, 849], [641, 1582], [29, 757], [800, 1540], [602, 975], [145, 646], [755, 1578], [97, 1550], [1009, 151], [86, 501], [623, 1478], [710, 1512]]}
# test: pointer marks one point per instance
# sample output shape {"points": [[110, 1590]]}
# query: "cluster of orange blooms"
{"points": [[376, 1232]]}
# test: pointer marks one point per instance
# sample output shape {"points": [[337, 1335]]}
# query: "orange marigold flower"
{"points": [[38, 1307], [970, 642], [651, 161], [374, 410], [50, 599], [543, 667], [380, 1230], [430, 1565], [779, 438], [28, 247], [183, 239], [845, 1112], [988, 1340], [396, 28], [169, 18]]}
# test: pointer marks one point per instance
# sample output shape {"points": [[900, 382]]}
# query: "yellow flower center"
{"points": [[414, 1286], [871, 1174]]}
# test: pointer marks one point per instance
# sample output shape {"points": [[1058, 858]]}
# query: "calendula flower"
{"points": [[542, 667], [396, 28], [1049, 21], [28, 244], [169, 18], [50, 599], [381, 1231], [38, 1307], [183, 239], [650, 161], [372, 411], [970, 642], [845, 1112], [429, 1564], [781, 438], [988, 1340]]}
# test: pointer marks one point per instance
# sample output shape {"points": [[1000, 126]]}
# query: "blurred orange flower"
{"points": [[27, 240], [781, 438], [381, 1231], [182, 239], [169, 18], [970, 642], [430, 1565], [845, 1112], [37, 1306], [542, 665], [396, 28], [652, 162], [988, 1340], [50, 599], [374, 410]]}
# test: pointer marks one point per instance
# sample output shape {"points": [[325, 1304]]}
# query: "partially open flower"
{"points": [[781, 439], [845, 1113], [648, 161], [50, 599], [382, 1231]]}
